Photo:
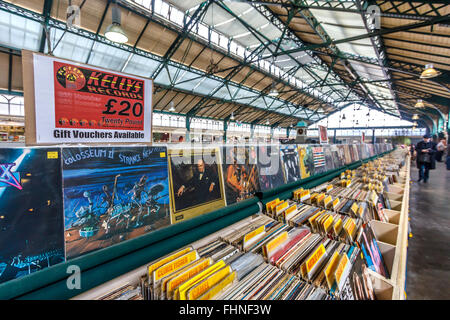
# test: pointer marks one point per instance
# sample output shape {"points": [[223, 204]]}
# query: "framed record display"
{"points": [[290, 162], [240, 172], [269, 166], [196, 185], [329, 161], [31, 220], [112, 194]]}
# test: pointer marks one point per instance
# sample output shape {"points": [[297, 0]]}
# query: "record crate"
{"points": [[392, 238]]}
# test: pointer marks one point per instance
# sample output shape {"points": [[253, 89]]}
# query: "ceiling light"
{"points": [[415, 116], [429, 72], [172, 108], [232, 116], [419, 104], [414, 124], [267, 122], [343, 117], [273, 92], [114, 31]]}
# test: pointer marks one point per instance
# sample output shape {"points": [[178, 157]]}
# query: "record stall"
{"points": [[309, 247], [113, 202]]}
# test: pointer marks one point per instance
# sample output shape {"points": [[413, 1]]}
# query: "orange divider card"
{"points": [[251, 236]]}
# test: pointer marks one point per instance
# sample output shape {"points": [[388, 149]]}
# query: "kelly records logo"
{"points": [[71, 77]]}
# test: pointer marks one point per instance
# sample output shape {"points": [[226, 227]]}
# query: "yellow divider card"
{"points": [[253, 234], [314, 260], [305, 195], [288, 211], [269, 204], [162, 261], [174, 265], [354, 208], [211, 293], [200, 288], [274, 243], [186, 275], [180, 291], [330, 269], [281, 207], [341, 270]]}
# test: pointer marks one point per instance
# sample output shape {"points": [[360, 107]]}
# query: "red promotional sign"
{"points": [[95, 99], [323, 134]]}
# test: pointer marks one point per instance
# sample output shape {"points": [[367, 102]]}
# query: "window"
{"points": [[203, 31]]}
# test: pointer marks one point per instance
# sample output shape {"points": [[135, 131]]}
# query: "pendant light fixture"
{"points": [[267, 122], [429, 72], [172, 108], [415, 116], [232, 116], [420, 104], [273, 91], [114, 31]]}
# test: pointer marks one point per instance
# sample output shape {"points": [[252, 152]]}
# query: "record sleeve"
{"points": [[195, 172], [269, 166], [290, 162], [112, 194], [31, 220], [240, 173]]}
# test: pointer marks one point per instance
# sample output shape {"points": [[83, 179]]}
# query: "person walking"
{"points": [[440, 150], [426, 151]]}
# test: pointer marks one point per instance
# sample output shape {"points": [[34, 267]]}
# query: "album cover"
{"points": [[359, 151], [364, 151], [290, 162], [319, 159], [371, 252], [112, 194], [306, 161], [358, 285], [347, 155], [341, 155], [31, 219], [196, 184], [240, 172], [329, 160], [269, 165]]}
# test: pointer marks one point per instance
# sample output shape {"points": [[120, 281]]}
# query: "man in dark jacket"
{"points": [[426, 150]]}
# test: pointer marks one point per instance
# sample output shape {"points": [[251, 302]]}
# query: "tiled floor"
{"points": [[428, 267]]}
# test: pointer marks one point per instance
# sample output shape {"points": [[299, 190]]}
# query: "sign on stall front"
{"points": [[69, 102]]}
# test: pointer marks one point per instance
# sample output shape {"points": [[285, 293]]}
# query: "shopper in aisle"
{"points": [[426, 151]]}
